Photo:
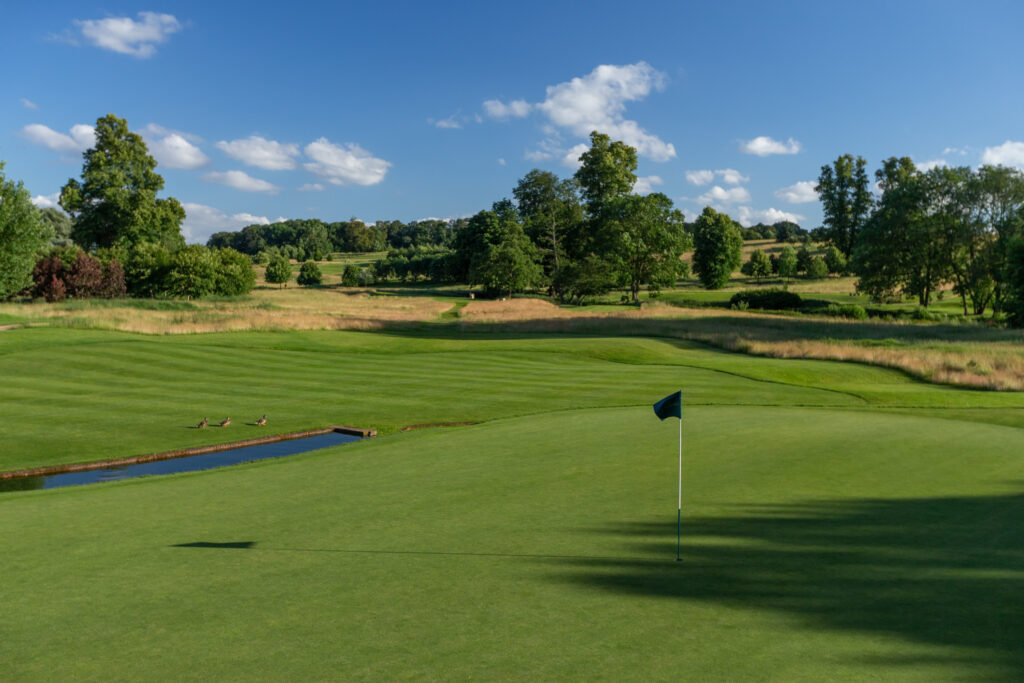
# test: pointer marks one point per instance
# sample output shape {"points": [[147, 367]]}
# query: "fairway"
{"points": [[840, 521]]}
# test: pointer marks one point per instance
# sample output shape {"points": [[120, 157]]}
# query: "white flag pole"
{"points": [[679, 510]]}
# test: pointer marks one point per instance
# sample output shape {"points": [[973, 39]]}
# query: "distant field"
{"points": [[841, 522]]}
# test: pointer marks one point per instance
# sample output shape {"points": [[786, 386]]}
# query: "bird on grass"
{"points": [[226, 422], [203, 424], [262, 422]]}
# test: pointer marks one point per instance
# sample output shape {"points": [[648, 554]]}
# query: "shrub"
{"points": [[234, 275], [759, 265], [770, 299], [310, 275], [350, 276], [279, 270], [146, 269], [193, 272], [112, 286], [365, 278], [48, 278], [851, 311], [835, 261], [803, 260], [787, 262], [83, 277], [816, 269]]}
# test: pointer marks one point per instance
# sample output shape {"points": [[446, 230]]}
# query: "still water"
{"points": [[187, 464]]}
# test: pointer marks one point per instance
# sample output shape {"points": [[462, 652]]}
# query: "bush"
{"points": [[803, 260], [234, 274], [759, 265], [48, 278], [816, 269], [309, 275], [83, 277], [279, 270], [770, 299], [193, 272], [365, 278], [350, 276], [787, 263], [851, 311]]}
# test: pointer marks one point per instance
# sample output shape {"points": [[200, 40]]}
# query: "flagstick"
{"points": [[679, 510]]}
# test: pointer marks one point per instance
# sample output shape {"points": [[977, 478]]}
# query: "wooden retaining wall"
{"points": [[182, 453]]}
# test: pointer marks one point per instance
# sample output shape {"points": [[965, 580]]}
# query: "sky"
{"points": [[415, 110]]}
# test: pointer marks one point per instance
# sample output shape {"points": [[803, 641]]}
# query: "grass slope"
{"points": [[819, 544]]}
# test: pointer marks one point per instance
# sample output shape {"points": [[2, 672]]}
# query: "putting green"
{"points": [[819, 544]]}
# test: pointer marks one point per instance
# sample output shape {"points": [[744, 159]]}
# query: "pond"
{"points": [[191, 463]]}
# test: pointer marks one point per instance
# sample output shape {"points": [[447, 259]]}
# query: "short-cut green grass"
{"points": [[841, 521]]}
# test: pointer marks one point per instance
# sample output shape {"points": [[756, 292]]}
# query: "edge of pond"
{"points": [[182, 453]]}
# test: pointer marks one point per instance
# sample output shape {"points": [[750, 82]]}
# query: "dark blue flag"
{"points": [[670, 406]]}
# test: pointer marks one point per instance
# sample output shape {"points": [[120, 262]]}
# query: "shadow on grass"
{"points": [[945, 572]]}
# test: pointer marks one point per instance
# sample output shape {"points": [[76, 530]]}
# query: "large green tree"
{"points": [[718, 248], [551, 211], [845, 200], [650, 242], [22, 236], [115, 204]]}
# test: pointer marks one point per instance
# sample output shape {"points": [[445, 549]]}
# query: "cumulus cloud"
{"points": [[311, 187], [497, 109], [929, 165], [1009, 153], [764, 146], [47, 201], [798, 193], [598, 100], [257, 151], [82, 137], [700, 178], [240, 180], [571, 157], [128, 36], [174, 149], [201, 221], [345, 164], [721, 195], [645, 184], [747, 216], [28, 104], [731, 176]]}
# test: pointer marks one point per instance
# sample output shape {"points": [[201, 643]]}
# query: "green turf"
{"points": [[842, 522]]}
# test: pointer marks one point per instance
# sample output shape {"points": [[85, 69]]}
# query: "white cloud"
{"points": [[240, 180], [47, 201], [172, 149], [731, 176], [311, 187], [201, 221], [497, 109], [571, 158], [1009, 153], [700, 177], [747, 216], [257, 151], [720, 195], [645, 184], [537, 155], [962, 151], [128, 36], [764, 146], [28, 104], [82, 137], [501, 162], [451, 122], [798, 193], [345, 164], [929, 165], [598, 100]]}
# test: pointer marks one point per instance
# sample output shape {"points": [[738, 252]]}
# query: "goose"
{"points": [[262, 421], [226, 422], [203, 424]]}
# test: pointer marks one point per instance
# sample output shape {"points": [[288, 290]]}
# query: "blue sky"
{"points": [[407, 110]]}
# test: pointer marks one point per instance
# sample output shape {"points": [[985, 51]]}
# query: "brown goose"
{"points": [[262, 422], [226, 422], [203, 424]]}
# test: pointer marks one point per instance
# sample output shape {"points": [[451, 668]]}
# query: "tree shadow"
{"points": [[940, 571], [236, 545]]}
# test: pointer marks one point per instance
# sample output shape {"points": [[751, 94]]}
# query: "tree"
{"points": [[310, 275], [234, 275], [607, 171], [549, 207], [816, 269], [279, 271], [1014, 278], [845, 200], [803, 260], [116, 203], [22, 236], [650, 242], [835, 260], [759, 266], [193, 272], [1000, 209], [718, 248], [787, 262], [510, 265], [350, 276], [59, 224], [145, 269]]}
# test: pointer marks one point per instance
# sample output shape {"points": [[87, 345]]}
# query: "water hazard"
{"points": [[191, 463]]}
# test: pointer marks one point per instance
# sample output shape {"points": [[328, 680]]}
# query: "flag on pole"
{"points": [[670, 406]]}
